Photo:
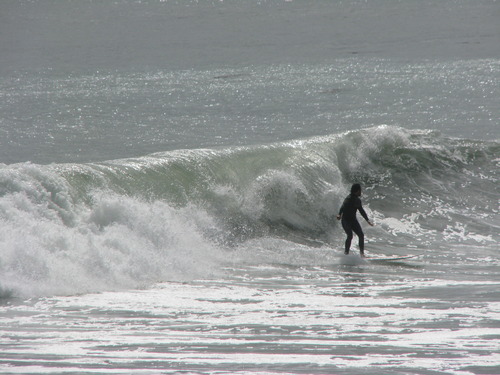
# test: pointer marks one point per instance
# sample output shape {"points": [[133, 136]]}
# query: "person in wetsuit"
{"points": [[350, 223]]}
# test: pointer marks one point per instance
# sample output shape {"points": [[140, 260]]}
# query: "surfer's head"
{"points": [[356, 189]]}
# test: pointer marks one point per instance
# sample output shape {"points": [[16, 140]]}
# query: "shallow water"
{"points": [[349, 317]]}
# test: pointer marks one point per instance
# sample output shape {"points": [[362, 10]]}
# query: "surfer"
{"points": [[350, 223]]}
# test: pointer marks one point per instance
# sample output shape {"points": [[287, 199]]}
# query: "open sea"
{"points": [[170, 173]]}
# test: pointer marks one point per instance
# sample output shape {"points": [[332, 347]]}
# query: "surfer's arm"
{"points": [[365, 216], [339, 216]]}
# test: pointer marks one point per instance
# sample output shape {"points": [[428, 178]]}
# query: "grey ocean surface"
{"points": [[92, 81], [170, 172]]}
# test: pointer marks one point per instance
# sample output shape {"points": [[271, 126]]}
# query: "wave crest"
{"points": [[73, 228]]}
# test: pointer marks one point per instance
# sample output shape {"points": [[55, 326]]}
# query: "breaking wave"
{"points": [[76, 228]]}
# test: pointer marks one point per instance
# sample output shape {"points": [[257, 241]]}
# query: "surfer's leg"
{"points": [[361, 236], [348, 230]]}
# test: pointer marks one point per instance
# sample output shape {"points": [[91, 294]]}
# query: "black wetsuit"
{"points": [[350, 223]]}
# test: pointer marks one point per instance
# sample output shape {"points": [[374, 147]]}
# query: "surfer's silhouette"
{"points": [[347, 214]]}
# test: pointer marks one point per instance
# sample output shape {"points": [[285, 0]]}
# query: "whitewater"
{"points": [[170, 174]]}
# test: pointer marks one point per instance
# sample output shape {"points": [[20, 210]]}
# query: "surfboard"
{"points": [[389, 257]]}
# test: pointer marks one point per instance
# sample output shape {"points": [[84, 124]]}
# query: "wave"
{"points": [[76, 228]]}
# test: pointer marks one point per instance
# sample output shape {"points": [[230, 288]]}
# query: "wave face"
{"points": [[76, 228]]}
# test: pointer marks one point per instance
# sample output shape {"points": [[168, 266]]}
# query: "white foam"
{"points": [[351, 259], [120, 242]]}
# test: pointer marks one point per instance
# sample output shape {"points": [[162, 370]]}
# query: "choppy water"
{"points": [[104, 116], [171, 173]]}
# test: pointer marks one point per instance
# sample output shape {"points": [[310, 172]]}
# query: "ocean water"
{"points": [[170, 172]]}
